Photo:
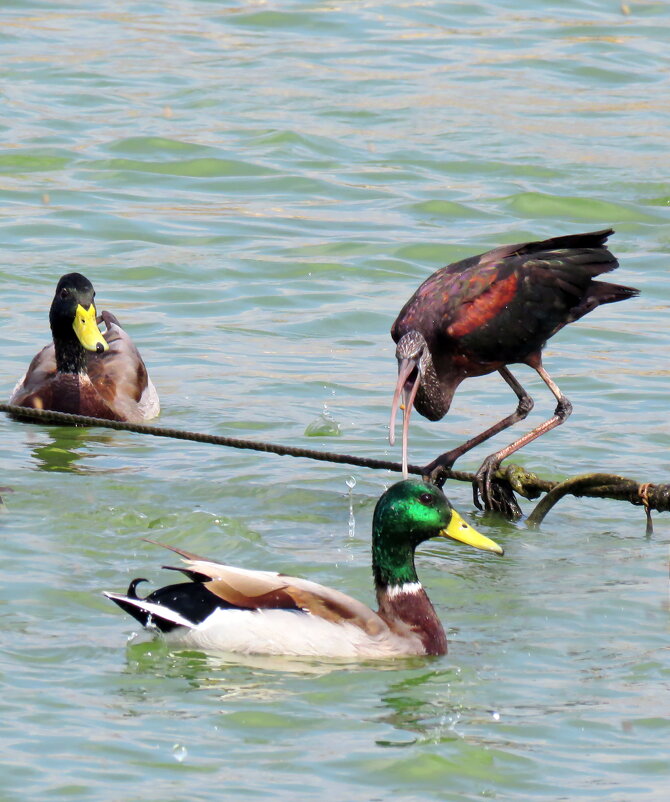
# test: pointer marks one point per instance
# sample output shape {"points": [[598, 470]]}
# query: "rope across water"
{"points": [[66, 418], [597, 485]]}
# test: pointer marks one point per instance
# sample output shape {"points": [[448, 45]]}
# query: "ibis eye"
{"points": [[427, 499]]}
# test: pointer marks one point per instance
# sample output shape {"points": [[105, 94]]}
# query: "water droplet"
{"points": [[133, 636], [495, 715], [351, 484], [179, 753], [323, 426]]}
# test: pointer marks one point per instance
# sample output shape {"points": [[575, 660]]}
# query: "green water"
{"points": [[255, 189]]}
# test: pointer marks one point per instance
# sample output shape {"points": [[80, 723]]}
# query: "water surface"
{"points": [[255, 189]]}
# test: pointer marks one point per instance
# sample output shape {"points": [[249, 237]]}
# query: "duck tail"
{"points": [[150, 614]]}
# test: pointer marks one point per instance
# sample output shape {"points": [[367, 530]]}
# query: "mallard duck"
{"points": [[84, 371], [232, 609], [484, 313]]}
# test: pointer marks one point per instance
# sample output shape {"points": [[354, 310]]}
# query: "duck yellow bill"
{"points": [[459, 529], [87, 331]]}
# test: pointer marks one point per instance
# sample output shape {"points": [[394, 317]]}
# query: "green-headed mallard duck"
{"points": [[84, 371], [261, 612]]}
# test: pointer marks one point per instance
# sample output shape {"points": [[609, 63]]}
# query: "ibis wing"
{"points": [[461, 295], [547, 279]]}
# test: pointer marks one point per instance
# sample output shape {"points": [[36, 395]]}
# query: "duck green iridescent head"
{"points": [[408, 513], [414, 511]]}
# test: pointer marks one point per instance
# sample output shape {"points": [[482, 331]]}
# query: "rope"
{"points": [[525, 483], [66, 418]]}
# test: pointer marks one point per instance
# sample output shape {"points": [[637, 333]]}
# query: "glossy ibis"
{"points": [[484, 313]]}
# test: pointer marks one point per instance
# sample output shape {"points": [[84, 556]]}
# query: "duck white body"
{"points": [[278, 632]]}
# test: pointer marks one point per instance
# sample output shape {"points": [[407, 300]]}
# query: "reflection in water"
{"points": [[411, 710], [413, 702], [234, 676], [154, 655], [4, 490], [62, 447], [230, 677]]}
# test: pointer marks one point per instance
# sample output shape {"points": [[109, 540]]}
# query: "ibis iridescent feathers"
{"points": [[486, 312]]}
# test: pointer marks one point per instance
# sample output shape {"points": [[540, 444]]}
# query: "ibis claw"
{"points": [[437, 472], [491, 492]]}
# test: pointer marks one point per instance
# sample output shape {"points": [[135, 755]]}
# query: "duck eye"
{"points": [[65, 293], [427, 499]]}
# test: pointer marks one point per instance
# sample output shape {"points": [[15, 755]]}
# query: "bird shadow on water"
{"points": [[63, 448]]}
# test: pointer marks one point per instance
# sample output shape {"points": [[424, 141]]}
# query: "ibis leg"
{"points": [[436, 471], [484, 481]]}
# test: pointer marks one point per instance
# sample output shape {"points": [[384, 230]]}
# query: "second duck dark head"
{"points": [[73, 321]]}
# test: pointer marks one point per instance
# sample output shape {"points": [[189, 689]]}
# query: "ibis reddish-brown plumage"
{"points": [[483, 313]]}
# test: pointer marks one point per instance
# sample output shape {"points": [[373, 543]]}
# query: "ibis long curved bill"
{"points": [[406, 387]]}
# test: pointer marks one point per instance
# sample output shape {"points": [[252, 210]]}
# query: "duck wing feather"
{"points": [[257, 590], [41, 370], [120, 376]]}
